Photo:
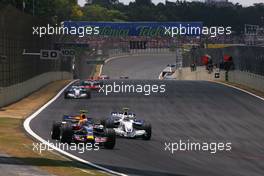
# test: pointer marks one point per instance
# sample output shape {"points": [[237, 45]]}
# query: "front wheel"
{"points": [[66, 135], [88, 96], [147, 128]]}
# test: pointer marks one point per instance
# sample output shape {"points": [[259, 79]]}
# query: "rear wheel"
{"points": [[66, 134], [55, 131], [111, 139], [147, 128], [88, 95], [66, 95]]}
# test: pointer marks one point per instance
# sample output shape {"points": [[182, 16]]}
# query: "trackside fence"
{"points": [[18, 72]]}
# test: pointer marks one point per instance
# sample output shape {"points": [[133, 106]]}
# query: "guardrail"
{"points": [[148, 51], [248, 79], [15, 37]]}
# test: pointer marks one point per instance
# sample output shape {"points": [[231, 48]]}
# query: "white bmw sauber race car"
{"points": [[127, 125], [77, 92]]}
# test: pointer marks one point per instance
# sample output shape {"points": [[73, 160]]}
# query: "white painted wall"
{"points": [[251, 80], [16, 92]]}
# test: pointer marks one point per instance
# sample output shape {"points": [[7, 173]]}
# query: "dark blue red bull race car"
{"points": [[80, 129]]}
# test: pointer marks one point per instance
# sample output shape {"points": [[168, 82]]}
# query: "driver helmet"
{"points": [[125, 111], [83, 116]]}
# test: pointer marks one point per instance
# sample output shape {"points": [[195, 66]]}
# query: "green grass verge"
{"points": [[14, 142]]}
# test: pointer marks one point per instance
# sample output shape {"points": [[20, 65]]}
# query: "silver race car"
{"points": [[77, 92], [127, 125]]}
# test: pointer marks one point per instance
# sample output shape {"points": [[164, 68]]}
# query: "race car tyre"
{"points": [[147, 128], [55, 132], [66, 134], [111, 138], [108, 123], [66, 96], [102, 122], [88, 95]]}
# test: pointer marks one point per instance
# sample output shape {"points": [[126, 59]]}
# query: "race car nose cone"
{"points": [[77, 92]]}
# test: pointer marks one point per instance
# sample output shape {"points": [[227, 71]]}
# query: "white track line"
{"points": [[26, 125], [112, 58], [242, 90]]}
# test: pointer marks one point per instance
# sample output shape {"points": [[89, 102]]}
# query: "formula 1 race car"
{"points": [[169, 76], [70, 130], [126, 125], [91, 84], [124, 77], [77, 92], [103, 77]]}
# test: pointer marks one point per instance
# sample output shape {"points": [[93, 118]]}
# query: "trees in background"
{"points": [[55, 10], [144, 10], [98, 13]]}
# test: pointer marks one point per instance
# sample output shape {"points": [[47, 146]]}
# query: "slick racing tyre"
{"points": [[111, 138], [88, 96], [66, 96], [108, 123], [66, 134], [55, 131], [147, 128]]}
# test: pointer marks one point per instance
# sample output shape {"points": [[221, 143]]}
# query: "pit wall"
{"points": [[148, 51], [251, 80], [16, 92], [245, 58], [248, 79], [200, 74]]}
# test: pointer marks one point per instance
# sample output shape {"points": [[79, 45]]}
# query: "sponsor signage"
{"points": [[123, 29]]}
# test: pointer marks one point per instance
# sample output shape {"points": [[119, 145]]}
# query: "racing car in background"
{"points": [[70, 130], [124, 77], [76, 92], [127, 125], [91, 84], [103, 77]]}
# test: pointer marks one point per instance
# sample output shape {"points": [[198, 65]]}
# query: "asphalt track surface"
{"points": [[195, 110], [137, 68], [14, 166]]}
